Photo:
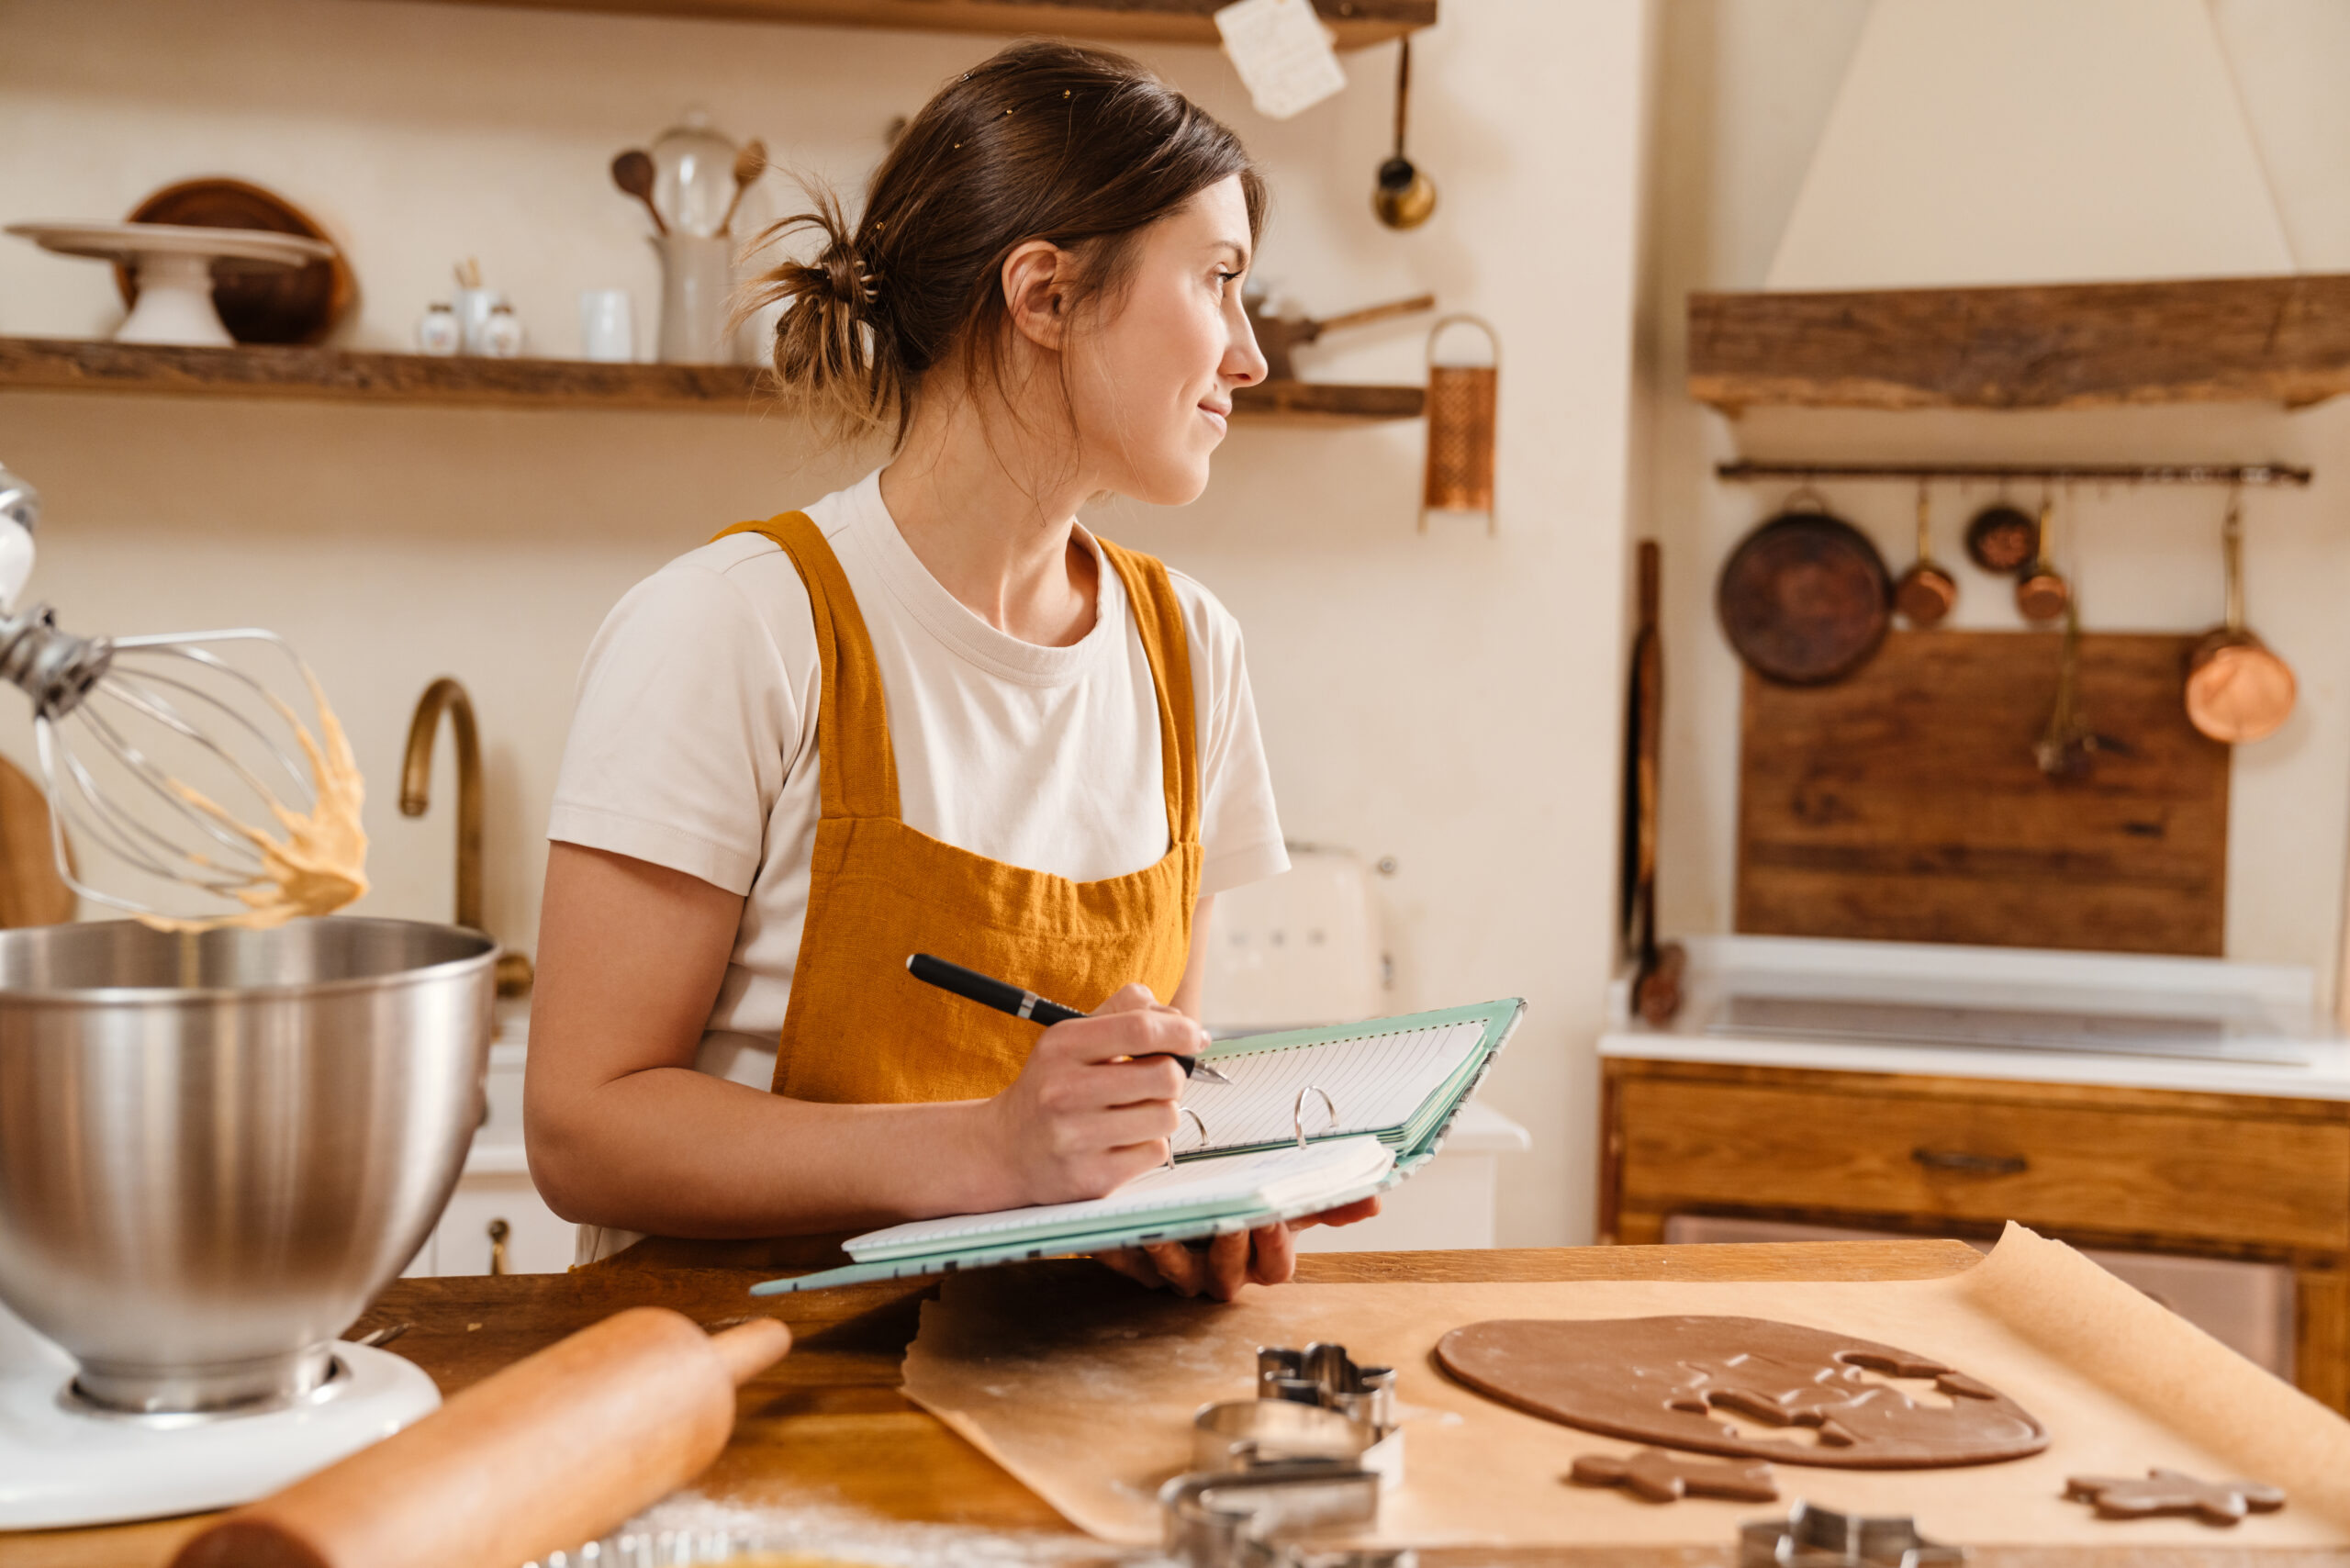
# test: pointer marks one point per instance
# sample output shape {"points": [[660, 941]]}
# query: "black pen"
{"points": [[1004, 997]]}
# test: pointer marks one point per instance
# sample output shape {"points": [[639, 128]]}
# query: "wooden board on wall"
{"points": [[1903, 803]]}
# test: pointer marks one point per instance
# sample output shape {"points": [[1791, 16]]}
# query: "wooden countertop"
{"points": [[829, 1418]]}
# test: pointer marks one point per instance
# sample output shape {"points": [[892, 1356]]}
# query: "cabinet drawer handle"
{"points": [[499, 1231], [1971, 1164]]}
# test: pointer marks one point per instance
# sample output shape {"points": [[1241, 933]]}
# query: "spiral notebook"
{"points": [[1313, 1119]]}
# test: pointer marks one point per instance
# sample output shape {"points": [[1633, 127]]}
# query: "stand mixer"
{"points": [[215, 1148]]}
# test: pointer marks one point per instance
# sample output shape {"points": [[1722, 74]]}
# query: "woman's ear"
{"points": [[1036, 278]]}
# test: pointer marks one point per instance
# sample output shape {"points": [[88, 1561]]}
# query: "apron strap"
{"points": [[1158, 617], [858, 770]]}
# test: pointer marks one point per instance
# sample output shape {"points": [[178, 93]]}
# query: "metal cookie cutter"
{"points": [[1814, 1537], [1311, 1404], [1245, 1519]]}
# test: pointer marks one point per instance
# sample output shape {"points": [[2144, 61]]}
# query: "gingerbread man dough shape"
{"points": [[2172, 1492], [1662, 1478], [1671, 1382]]}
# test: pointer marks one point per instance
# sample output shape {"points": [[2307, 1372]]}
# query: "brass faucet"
{"points": [[416, 780]]}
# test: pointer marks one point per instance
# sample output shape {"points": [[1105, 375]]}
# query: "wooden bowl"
{"points": [[294, 305]]}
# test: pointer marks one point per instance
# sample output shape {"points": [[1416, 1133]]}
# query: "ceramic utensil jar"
{"points": [[2237, 691], [697, 291], [693, 177]]}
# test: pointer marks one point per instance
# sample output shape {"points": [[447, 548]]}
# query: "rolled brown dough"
{"points": [[1662, 1381]]}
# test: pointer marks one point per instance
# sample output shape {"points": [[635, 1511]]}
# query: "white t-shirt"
{"points": [[694, 742]]}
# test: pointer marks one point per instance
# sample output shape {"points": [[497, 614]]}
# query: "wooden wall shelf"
{"points": [[66, 364], [2282, 340], [1356, 22]]}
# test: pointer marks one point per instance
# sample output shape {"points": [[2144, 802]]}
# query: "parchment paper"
{"points": [[1087, 1396]]}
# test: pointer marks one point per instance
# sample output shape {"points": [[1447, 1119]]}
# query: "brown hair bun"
{"points": [[1042, 140]]}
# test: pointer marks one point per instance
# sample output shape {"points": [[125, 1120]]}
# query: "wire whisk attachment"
{"points": [[176, 759]]}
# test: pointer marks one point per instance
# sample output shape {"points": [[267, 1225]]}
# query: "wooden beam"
{"points": [[2283, 339], [72, 365], [1356, 22]]}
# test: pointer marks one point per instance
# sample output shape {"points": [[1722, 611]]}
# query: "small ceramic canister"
{"points": [[501, 335], [437, 331]]}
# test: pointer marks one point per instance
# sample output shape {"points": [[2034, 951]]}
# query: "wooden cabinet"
{"points": [[2152, 1170]]}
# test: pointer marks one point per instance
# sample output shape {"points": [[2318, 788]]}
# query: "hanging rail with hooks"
{"points": [[1748, 470]]}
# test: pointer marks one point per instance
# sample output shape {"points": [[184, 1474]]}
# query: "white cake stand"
{"points": [[175, 265]]}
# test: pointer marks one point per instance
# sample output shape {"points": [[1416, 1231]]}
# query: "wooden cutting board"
{"points": [[32, 893], [1902, 803]]}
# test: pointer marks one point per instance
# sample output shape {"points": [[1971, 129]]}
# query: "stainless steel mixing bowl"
{"points": [[215, 1149]]}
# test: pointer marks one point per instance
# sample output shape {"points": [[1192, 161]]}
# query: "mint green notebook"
{"points": [[1313, 1119]]}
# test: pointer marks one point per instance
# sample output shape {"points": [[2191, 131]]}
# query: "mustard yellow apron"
{"points": [[859, 1029]]}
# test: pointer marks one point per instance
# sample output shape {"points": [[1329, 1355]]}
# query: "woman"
{"points": [[930, 713]]}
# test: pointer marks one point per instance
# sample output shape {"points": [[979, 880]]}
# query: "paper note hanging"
{"points": [[1283, 52]]}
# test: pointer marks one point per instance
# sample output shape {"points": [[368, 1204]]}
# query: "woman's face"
{"points": [[1154, 374]]}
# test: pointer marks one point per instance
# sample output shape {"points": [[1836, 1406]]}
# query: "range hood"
{"points": [[1995, 143]]}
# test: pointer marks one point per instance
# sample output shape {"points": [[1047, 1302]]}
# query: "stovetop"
{"points": [[1998, 1013]]}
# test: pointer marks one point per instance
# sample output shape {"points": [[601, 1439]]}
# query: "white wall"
{"points": [[1745, 89], [1450, 701]]}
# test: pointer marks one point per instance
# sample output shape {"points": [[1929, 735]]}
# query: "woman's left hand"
{"points": [[1265, 1256]]}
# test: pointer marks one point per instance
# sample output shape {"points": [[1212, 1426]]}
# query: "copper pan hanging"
{"points": [[1804, 598], [1926, 594], [2237, 689]]}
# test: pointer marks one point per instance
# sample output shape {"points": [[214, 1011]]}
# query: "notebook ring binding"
{"points": [[1197, 1121], [1297, 1112]]}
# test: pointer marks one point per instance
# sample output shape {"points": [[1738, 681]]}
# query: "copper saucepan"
{"points": [[1926, 593], [2237, 691]]}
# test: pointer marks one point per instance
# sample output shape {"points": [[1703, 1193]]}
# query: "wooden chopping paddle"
{"points": [[551, 1452], [2237, 691], [1656, 977]]}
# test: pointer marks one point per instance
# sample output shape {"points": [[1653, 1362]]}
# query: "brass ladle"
{"points": [[1404, 197]]}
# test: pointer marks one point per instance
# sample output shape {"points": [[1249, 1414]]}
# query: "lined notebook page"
{"points": [[1279, 1176], [1375, 1083]]}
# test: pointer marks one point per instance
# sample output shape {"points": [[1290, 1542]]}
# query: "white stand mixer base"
{"points": [[62, 1467]]}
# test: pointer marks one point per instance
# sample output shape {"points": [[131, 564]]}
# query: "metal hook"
{"points": [[1297, 1112]]}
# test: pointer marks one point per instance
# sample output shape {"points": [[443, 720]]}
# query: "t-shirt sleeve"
{"points": [[1240, 833], [688, 722]]}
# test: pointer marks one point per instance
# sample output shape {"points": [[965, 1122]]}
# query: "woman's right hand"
{"points": [[1079, 1123]]}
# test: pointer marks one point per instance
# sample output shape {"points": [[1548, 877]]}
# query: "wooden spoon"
{"points": [[633, 171], [2237, 691], [749, 164]]}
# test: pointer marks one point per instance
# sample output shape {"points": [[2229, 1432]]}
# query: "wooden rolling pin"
{"points": [[555, 1451]]}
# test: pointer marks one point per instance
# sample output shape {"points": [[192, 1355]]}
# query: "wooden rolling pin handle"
{"points": [[554, 1451], [749, 1348]]}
